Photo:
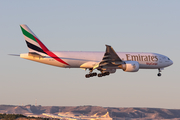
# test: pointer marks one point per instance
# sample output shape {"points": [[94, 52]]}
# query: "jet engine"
{"points": [[130, 66]]}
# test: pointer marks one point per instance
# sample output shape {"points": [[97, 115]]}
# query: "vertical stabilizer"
{"points": [[32, 41], [35, 46]]}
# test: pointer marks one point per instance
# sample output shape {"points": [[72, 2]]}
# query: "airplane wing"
{"points": [[110, 59], [110, 62]]}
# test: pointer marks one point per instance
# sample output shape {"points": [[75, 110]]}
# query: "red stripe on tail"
{"points": [[51, 54]]}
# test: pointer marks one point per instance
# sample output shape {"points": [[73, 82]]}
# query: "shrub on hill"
{"points": [[10, 116], [16, 116]]}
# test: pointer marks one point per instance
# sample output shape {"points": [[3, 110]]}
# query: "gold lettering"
{"points": [[149, 58], [146, 58], [134, 57], [142, 58], [127, 56], [156, 58], [139, 57], [152, 58]]}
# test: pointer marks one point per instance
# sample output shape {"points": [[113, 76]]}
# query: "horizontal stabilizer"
{"points": [[33, 54], [13, 54]]}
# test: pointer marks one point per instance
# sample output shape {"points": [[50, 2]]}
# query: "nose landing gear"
{"points": [[159, 74]]}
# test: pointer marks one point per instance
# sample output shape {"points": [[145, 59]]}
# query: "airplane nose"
{"points": [[171, 62]]}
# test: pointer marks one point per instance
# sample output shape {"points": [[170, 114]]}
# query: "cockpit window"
{"points": [[168, 59]]}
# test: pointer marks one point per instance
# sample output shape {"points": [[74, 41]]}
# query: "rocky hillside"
{"points": [[118, 113]]}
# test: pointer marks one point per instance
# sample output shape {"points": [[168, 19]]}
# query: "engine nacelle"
{"points": [[130, 66]]}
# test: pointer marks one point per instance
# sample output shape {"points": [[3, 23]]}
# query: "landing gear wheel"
{"points": [[103, 74], [99, 75], [87, 76], [91, 75], [107, 73], [159, 74], [94, 74]]}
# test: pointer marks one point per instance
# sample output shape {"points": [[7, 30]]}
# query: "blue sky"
{"points": [[128, 26]]}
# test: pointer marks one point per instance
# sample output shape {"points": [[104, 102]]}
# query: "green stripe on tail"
{"points": [[27, 34]]}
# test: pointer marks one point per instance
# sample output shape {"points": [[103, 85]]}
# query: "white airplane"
{"points": [[106, 62]]}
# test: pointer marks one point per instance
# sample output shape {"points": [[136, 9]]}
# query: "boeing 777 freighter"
{"points": [[106, 62]]}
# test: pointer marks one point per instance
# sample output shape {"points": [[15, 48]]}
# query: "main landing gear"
{"points": [[103, 74], [91, 74], [159, 74], [95, 74]]}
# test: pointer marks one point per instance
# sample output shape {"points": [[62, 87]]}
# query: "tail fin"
{"points": [[32, 41], [36, 46]]}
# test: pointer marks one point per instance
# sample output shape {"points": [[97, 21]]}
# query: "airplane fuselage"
{"points": [[78, 59]]}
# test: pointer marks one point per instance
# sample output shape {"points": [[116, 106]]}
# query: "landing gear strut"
{"points": [[159, 74]]}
